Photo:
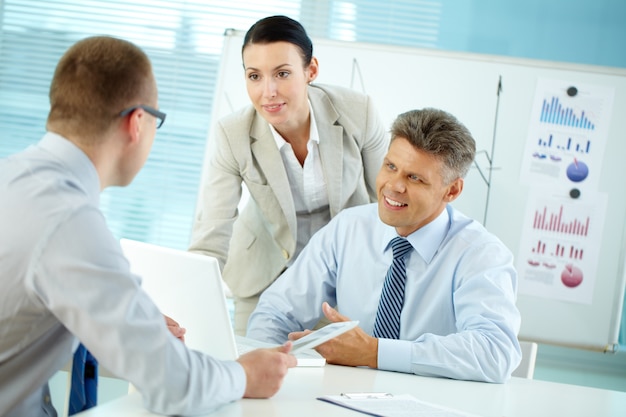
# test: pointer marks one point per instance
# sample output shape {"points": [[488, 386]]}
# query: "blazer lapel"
{"points": [[266, 153], [330, 146]]}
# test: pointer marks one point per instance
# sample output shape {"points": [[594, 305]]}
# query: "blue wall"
{"points": [[576, 31]]}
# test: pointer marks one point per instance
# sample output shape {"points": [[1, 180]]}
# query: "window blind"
{"points": [[183, 40]]}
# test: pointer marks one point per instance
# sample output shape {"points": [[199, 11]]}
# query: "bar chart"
{"points": [[557, 250], [564, 142], [556, 222], [554, 112]]}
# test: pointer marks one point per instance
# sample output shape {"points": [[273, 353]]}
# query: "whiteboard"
{"points": [[493, 97], [378, 74]]}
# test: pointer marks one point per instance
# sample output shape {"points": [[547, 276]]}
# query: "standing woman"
{"points": [[304, 151]]}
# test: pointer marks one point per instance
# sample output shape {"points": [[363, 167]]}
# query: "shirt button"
{"points": [[285, 254]]}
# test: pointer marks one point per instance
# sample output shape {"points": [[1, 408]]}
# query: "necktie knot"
{"points": [[400, 246]]}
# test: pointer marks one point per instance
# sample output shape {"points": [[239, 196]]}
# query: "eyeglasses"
{"points": [[150, 110]]}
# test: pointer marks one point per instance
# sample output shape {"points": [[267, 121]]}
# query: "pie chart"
{"points": [[577, 171], [571, 276]]}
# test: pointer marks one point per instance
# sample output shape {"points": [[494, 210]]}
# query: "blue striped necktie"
{"points": [[387, 325], [84, 391]]}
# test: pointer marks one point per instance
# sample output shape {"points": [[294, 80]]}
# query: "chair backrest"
{"points": [[526, 368]]}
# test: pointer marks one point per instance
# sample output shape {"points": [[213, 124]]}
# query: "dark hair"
{"points": [[94, 81], [280, 29], [440, 134]]}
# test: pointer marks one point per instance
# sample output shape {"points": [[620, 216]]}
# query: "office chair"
{"points": [[526, 368]]}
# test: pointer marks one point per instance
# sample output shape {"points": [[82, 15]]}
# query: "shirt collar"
{"points": [[75, 160], [427, 239], [313, 132]]}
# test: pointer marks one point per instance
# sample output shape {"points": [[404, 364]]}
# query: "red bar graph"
{"points": [[540, 249], [559, 250], [554, 222]]}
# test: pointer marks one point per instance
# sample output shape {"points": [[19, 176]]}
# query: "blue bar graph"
{"points": [[565, 143], [555, 113]]}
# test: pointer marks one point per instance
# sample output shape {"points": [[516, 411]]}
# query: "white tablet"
{"points": [[322, 335]]}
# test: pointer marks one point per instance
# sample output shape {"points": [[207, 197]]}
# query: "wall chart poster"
{"points": [[560, 244], [567, 133]]}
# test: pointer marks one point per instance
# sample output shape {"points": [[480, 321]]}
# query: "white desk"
{"points": [[517, 398]]}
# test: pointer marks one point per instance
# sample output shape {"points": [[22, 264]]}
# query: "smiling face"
{"points": [[411, 191], [277, 80]]}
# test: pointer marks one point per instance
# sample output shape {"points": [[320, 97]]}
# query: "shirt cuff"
{"points": [[394, 355], [239, 378]]}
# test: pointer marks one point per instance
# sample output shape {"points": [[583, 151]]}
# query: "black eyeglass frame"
{"points": [[150, 110]]}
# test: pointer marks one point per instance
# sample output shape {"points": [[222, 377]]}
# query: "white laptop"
{"points": [[188, 287]]}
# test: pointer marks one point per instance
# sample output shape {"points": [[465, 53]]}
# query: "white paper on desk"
{"points": [[394, 406]]}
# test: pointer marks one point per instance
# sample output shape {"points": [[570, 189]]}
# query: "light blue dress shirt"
{"points": [[459, 318], [63, 276]]}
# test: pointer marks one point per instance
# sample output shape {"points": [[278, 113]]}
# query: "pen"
{"points": [[365, 395]]}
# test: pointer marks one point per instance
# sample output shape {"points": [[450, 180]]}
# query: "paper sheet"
{"points": [[388, 405]]}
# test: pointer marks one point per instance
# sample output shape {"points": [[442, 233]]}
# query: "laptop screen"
{"points": [[188, 288]]}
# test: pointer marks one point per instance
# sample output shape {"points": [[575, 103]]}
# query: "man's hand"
{"points": [[175, 329], [353, 348], [266, 369]]}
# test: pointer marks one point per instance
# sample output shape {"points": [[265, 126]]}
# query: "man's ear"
{"points": [[454, 190], [132, 125]]}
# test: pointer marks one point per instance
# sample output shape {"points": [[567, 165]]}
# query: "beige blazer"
{"points": [[254, 246]]}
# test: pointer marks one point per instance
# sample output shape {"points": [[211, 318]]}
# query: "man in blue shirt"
{"points": [[458, 318], [63, 275]]}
